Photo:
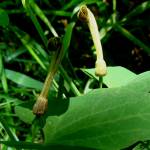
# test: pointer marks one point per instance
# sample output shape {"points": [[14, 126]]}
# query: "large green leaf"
{"points": [[116, 76], [104, 119], [141, 82]]}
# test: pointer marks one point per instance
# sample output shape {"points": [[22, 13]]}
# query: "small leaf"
{"points": [[25, 114], [4, 19]]}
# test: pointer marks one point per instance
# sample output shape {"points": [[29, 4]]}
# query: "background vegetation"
{"points": [[95, 120]]}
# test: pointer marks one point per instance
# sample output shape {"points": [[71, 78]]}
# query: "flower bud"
{"points": [[100, 67], [40, 106], [54, 43], [83, 14]]}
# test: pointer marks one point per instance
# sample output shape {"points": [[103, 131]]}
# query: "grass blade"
{"points": [[23, 80], [67, 37], [42, 16], [18, 52], [37, 25], [26, 41], [132, 38], [3, 75], [109, 25], [70, 82], [9, 132], [138, 10], [70, 4], [57, 13]]}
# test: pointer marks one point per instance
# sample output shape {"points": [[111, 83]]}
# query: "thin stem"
{"points": [[64, 74], [47, 84], [42, 102], [52, 72], [53, 69], [69, 81], [100, 82]]}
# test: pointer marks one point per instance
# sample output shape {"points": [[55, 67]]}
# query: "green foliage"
{"points": [[116, 76], [116, 118], [24, 114], [33, 17], [55, 107], [112, 116], [3, 75], [23, 80]]}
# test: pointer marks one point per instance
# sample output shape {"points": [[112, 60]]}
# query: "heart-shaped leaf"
{"points": [[116, 76], [103, 119]]}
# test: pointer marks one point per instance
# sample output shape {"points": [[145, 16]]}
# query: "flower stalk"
{"points": [[41, 104], [87, 16]]}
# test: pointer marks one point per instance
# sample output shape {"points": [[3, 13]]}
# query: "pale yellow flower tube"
{"points": [[87, 16]]}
